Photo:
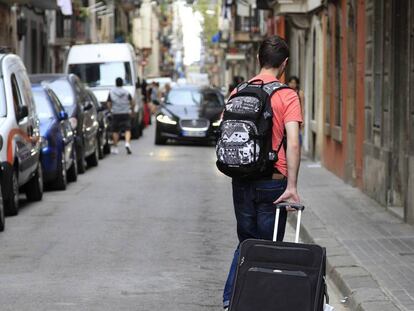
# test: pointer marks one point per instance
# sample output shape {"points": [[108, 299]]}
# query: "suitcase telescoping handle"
{"points": [[297, 206]]}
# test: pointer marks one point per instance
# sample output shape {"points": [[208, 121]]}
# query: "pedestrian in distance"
{"points": [[167, 89], [236, 81], [254, 199], [121, 105], [154, 97]]}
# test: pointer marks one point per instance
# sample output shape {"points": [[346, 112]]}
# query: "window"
{"points": [[211, 100], [17, 100], [102, 74], [184, 97], [65, 93], [43, 105], [378, 61], [3, 106], [56, 103], [247, 18], [313, 107], [328, 72], [338, 67]]}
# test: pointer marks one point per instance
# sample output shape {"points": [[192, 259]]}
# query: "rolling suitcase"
{"points": [[280, 276]]}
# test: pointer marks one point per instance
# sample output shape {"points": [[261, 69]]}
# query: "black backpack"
{"points": [[244, 147]]}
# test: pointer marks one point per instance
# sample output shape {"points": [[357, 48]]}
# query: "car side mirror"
{"points": [[63, 115], [88, 106], [23, 112], [102, 106]]}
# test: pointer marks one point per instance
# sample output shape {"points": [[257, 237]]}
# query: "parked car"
{"points": [[103, 120], [189, 113], [58, 154], [20, 140], [98, 65], [82, 114]]}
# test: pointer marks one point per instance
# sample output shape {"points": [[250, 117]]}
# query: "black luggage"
{"points": [[280, 276]]}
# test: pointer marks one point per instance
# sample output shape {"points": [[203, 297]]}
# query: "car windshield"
{"points": [[212, 100], [43, 105], [185, 97], [65, 94], [3, 108], [102, 74]]}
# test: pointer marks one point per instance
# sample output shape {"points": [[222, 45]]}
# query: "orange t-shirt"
{"points": [[286, 108]]}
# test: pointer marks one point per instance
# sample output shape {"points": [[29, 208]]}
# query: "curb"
{"points": [[353, 281]]}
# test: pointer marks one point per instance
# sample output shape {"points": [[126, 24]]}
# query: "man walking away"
{"points": [[120, 104], [254, 200]]}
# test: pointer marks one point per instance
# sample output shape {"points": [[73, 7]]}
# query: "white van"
{"points": [[98, 65]]}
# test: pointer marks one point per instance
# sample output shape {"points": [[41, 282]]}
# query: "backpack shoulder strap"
{"points": [[242, 86], [273, 87]]}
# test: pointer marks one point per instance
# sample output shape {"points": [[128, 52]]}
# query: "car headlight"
{"points": [[166, 119], [217, 123]]}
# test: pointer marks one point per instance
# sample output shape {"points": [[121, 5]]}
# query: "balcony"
{"points": [[41, 4], [296, 6], [130, 5], [249, 26]]}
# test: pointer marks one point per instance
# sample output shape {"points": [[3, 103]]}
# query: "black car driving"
{"points": [[189, 113]]}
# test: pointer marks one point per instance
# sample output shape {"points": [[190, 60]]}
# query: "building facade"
{"points": [[355, 61], [389, 109]]}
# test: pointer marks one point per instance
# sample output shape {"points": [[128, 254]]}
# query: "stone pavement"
{"points": [[370, 251]]}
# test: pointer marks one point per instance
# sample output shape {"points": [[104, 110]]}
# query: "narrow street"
{"points": [[151, 231]]}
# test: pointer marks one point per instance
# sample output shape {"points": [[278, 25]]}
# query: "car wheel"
{"points": [[34, 188], [93, 159], [73, 171], [159, 140], [81, 160], [2, 219], [11, 202], [101, 152], [61, 179]]}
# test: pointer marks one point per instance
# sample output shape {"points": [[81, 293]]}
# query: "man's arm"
{"points": [[293, 163]]}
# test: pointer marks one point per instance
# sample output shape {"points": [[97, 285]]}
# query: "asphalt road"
{"points": [[150, 231]]}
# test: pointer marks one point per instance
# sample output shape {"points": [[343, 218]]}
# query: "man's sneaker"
{"points": [[227, 309], [128, 148], [114, 150]]}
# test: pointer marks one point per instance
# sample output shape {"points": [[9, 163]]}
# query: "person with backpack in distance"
{"points": [[259, 148]]}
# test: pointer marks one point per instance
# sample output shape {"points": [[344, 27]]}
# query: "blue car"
{"points": [[57, 153]]}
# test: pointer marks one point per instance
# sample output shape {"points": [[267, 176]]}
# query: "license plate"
{"points": [[194, 133]]}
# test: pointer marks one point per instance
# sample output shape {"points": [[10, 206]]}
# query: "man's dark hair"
{"points": [[119, 82], [272, 52]]}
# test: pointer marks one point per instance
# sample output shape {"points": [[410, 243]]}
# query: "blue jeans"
{"points": [[255, 214]]}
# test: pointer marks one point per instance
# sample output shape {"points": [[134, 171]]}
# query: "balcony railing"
{"points": [[248, 28]]}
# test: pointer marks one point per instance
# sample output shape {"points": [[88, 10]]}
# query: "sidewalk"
{"points": [[370, 252]]}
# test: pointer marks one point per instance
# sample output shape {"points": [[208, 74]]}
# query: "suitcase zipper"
{"points": [[278, 271]]}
